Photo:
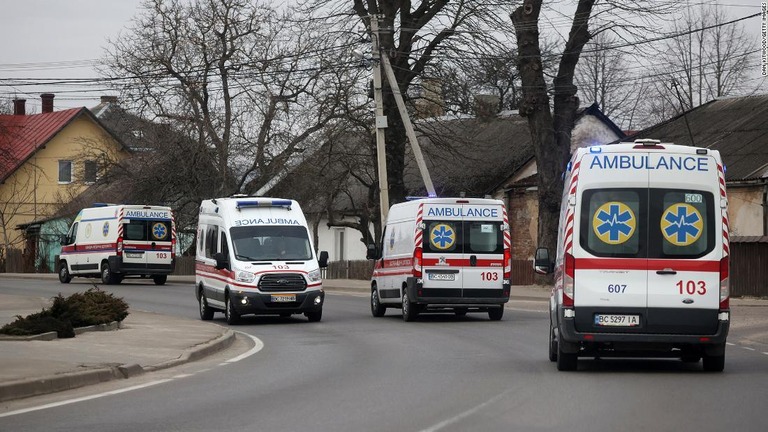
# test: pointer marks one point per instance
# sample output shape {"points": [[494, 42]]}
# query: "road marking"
{"points": [[731, 344], [85, 398], [258, 345], [466, 413], [749, 348], [766, 353]]}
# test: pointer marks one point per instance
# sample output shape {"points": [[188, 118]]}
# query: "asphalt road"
{"points": [[353, 372]]}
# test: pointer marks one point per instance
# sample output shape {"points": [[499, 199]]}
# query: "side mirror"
{"points": [[373, 252], [222, 261], [542, 264], [322, 260]]}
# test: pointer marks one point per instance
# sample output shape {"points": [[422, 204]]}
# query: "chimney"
{"points": [[19, 106], [47, 99], [109, 99]]}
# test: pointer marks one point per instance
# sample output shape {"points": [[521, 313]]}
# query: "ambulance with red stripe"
{"points": [[255, 256], [443, 254], [642, 256], [116, 241]]}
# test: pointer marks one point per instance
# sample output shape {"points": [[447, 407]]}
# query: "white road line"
{"points": [[258, 345], [766, 353], [730, 343], [85, 398], [466, 413], [748, 348]]}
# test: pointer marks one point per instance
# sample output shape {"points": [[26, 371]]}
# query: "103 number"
{"points": [[692, 287]]}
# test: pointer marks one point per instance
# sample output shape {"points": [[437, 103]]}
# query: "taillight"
{"points": [[570, 266], [417, 261], [507, 263], [173, 247], [725, 291], [119, 246]]}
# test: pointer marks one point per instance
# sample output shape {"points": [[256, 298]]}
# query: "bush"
{"points": [[78, 310]]}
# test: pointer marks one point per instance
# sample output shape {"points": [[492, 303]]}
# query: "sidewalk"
{"points": [[147, 341]]}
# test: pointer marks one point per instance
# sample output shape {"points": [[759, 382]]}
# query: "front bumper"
{"points": [[247, 302]]}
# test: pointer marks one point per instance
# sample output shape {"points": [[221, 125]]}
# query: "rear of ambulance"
{"points": [[146, 241]]}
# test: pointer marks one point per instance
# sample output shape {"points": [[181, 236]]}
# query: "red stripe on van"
{"points": [[643, 264], [460, 262]]}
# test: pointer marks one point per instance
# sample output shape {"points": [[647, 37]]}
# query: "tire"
{"points": [[230, 314], [107, 277], [566, 361], [206, 313], [64, 276], [377, 310], [495, 314], [160, 279], [714, 363], [409, 310], [314, 316], [552, 344]]}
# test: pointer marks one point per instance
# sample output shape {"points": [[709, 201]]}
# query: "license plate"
{"points": [[133, 255], [283, 298], [442, 276], [617, 320]]}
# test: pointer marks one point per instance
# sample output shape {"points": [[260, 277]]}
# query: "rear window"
{"points": [[460, 237], [147, 230], [647, 223]]}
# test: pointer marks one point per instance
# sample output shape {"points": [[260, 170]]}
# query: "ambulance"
{"points": [[443, 254], [255, 256], [641, 267], [115, 241]]}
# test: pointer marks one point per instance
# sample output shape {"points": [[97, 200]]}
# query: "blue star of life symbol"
{"points": [[614, 222], [442, 236], [683, 224], [159, 231]]}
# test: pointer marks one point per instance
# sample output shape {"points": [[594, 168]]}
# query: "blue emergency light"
{"points": [[264, 203]]}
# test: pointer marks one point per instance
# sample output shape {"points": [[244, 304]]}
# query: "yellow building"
{"points": [[46, 160]]}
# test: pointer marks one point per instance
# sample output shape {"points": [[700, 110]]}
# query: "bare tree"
{"points": [[551, 125], [252, 86]]}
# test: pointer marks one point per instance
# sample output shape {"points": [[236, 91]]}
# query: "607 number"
{"points": [[617, 288]]}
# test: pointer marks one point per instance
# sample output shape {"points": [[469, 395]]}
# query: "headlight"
{"points": [[244, 276], [314, 276]]}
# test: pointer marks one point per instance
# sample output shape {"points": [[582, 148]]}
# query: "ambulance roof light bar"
{"points": [[646, 143], [264, 203]]}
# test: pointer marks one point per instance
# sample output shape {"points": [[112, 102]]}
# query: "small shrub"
{"points": [[78, 310]]}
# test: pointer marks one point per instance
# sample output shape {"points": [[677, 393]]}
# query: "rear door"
{"points": [[483, 244], [147, 241], [443, 254]]}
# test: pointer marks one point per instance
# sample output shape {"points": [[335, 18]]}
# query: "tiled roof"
{"points": [[22, 135], [737, 127]]}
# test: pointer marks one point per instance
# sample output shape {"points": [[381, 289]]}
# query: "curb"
{"points": [[49, 336], [71, 380]]}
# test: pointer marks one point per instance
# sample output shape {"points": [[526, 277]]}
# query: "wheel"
{"points": [[377, 309], [107, 277], [64, 276], [314, 316], [230, 314], [566, 361], [409, 310], [460, 312], [714, 363], [160, 279], [552, 344], [495, 314], [206, 313]]}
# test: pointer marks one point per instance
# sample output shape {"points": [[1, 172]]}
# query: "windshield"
{"points": [[271, 243]]}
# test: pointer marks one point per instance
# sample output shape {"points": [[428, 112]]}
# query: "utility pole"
{"points": [[408, 127], [381, 123]]}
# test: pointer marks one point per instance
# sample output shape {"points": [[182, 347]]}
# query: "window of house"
{"points": [[91, 171], [65, 171]]}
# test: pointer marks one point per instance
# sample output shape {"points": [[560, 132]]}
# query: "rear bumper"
{"points": [[117, 266], [261, 304], [437, 298]]}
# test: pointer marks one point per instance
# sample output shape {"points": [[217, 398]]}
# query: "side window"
{"points": [[201, 240], [224, 249], [610, 222], [90, 171], [211, 241], [65, 171], [685, 227], [73, 233]]}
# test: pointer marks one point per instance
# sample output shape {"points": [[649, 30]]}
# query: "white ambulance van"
{"points": [[255, 256], [115, 241], [443, 254], [641, 267]]}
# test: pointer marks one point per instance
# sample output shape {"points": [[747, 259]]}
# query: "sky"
{"points": [[64, 38]]}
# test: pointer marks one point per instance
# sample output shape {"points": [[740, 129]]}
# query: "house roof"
{"points": [[23, 135], [736, 127]]}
